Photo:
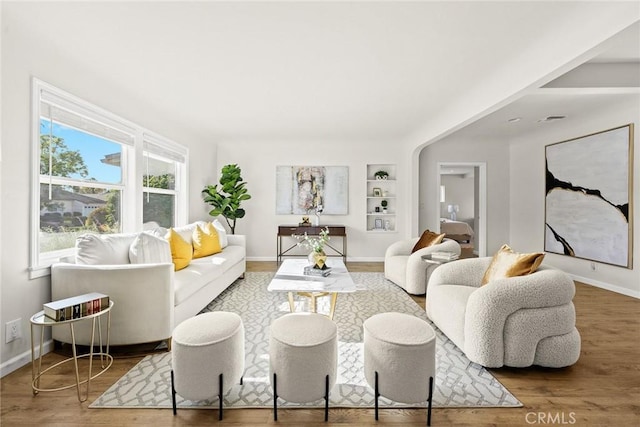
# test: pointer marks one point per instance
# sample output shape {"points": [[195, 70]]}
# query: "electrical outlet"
{"points": [[13, 330]]}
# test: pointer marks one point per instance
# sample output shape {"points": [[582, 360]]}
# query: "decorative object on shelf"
{"points": [[381, 174], [384, 205], [226, 200], [453, 211], [378, 224], [377, 192], [377, 208], [317, 257], [387, 225], [305, 222]]}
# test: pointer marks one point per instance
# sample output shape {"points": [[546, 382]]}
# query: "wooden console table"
{"points": [[334, 231]]}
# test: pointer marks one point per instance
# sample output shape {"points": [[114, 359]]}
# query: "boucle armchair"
{"points": [[518, 321], [408, 270]]}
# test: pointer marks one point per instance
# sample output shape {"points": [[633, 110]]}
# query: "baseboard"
{"points": [[22, 359], [607, 286]]}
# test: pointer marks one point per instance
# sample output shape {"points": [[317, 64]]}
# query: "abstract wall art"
{"points": [[588, 203], [302, 189]]}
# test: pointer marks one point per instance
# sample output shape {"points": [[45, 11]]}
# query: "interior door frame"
{"points": [[480, 235]]}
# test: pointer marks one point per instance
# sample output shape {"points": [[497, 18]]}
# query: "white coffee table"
{"points": [[290, 278]]}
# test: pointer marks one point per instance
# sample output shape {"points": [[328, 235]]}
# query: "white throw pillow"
{"points": [[222, 234], [186, 231], [149, 249], [103, 249]]}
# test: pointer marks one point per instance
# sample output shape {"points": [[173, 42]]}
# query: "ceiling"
{"points": [[379, 71]]}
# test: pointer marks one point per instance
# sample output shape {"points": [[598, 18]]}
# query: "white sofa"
{"points": [[408, 270], [517, 321], [150, 298]]}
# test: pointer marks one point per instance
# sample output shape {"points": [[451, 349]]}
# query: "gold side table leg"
{"points": [[292, 306], [75, 361], [332, 307], [314, 303]]}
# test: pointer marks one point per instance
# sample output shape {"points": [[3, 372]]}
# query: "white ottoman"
{"points": [[400, 358], [303, 358], [206, 350]]}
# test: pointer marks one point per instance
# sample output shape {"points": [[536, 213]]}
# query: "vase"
{"points": [[318, 260]]}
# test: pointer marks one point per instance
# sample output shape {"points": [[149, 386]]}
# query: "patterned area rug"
{"points": [[458, 381]]}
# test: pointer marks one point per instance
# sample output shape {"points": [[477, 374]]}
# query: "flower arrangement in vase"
{"points": [[317, 257]]}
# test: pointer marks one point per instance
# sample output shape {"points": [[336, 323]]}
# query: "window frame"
{"points": [[132, 168]]}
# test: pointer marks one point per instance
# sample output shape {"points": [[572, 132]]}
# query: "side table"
{"points": [[106, 360]]}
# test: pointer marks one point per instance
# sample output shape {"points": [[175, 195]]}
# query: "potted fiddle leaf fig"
{"points": [[227, 197]]}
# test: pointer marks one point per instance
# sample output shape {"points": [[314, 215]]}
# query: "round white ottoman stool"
{"points": [[207, 356], [400, 358], [303, 358]]}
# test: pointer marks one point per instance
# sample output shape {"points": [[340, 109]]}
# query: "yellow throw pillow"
{"points": [[428, 238], [506, 263], [205, 242], [181, 251]]}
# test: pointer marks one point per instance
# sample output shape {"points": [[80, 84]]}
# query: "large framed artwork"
{"points": [[303, 189], [588, 203]]}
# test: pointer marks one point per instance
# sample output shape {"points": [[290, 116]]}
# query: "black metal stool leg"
{"points": [[376, 395], [326, 399], [221, 397], [275, 398], [241, 378], [430, 400], [173, 394]]}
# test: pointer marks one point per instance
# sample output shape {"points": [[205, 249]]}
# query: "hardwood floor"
{"points": [[603, 388]]}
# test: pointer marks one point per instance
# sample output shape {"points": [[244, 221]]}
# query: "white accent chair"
{"points": [[408, 270], [517, 321]]}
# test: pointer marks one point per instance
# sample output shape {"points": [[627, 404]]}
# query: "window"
{"points": [[163, 165], [85, 173]]}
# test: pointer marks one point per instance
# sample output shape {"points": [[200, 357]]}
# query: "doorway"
{"points": [[462, 203]]}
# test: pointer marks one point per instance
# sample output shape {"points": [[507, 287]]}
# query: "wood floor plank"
{"points": [[603, 388]]}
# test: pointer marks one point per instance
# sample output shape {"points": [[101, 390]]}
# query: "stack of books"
{"points": [[445, 256], [76, 307], [310, 271]]}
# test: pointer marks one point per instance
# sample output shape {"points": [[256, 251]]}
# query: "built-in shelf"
{"points": [[379, 190]]}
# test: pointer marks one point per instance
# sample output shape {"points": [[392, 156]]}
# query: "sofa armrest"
{"points": [[489, 307], [464, 272], [143, 296], [237, 239], [401, 247]]}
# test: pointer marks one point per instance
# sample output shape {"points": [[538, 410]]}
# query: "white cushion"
{"points": [[222, 233], [149, 249], [103, 249], [186, 231]]}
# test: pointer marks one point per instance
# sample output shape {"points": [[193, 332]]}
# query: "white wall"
{"points": [[451, 149], [527, 176], [459, 191], [22, 59], [258, 161]]}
